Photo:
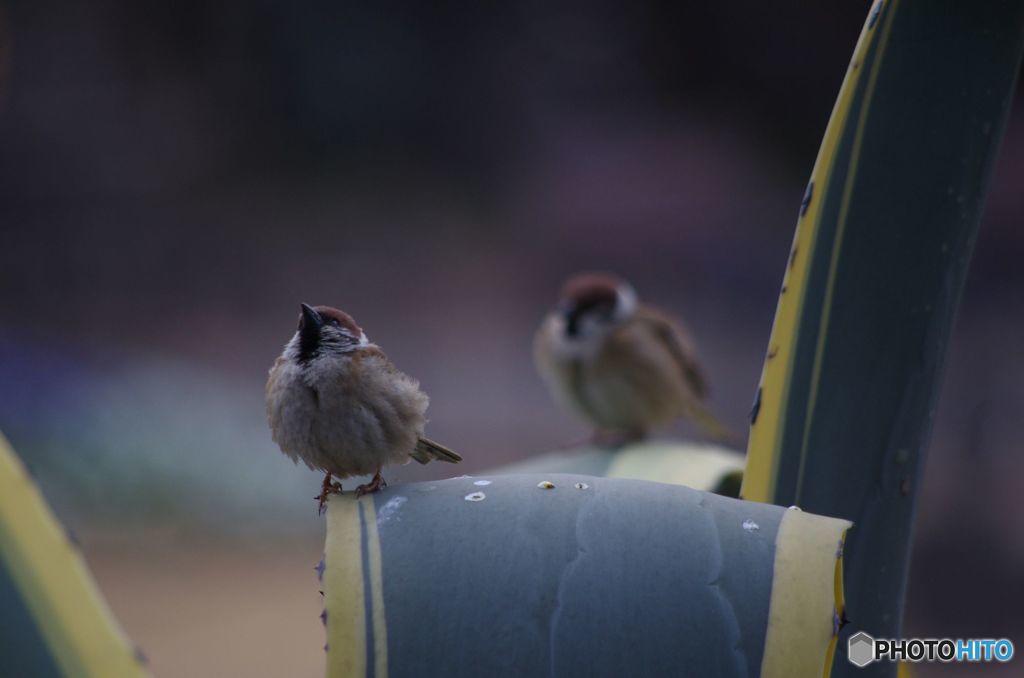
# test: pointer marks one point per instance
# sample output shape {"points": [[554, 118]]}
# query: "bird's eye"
{"points": [[334, 322]]}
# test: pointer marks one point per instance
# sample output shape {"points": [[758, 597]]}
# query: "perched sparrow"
{"points": [[625, 367], [335, 402]]}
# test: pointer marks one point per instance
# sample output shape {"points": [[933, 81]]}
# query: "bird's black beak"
{"points": [[309, 323]]}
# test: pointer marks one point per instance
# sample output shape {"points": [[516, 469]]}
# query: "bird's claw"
{"points": [[374, 485], [613, 439], [328, 488]]}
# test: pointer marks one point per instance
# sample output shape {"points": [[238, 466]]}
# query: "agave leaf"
{"points": [[564, 574], [53, 620], [879, 258]]}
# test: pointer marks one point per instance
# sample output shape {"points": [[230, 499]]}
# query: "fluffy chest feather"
{"points": [[625, 378], [348, 414]]}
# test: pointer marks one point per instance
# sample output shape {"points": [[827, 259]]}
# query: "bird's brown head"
{"points": [[323, 329], [591, 302]]}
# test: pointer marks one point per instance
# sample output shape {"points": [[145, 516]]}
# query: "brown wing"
{"points": [[679, 343]]}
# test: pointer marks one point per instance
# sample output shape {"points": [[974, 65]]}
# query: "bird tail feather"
{"points": [[427, 450]]}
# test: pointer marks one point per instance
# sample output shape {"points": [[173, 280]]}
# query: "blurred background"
{"points": [[175, 177]]}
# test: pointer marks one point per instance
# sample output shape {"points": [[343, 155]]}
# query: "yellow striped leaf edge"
{"points": [[763, 448], [74, 621]]}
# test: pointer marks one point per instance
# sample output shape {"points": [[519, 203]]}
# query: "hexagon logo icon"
{"points": [[860, 649]]}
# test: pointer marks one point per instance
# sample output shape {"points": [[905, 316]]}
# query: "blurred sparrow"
{"points": [[625, 367], [335, 402]]}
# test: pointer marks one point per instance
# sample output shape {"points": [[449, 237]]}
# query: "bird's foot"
{"points": [[614, 439], [604, 438], [328, 488], [374, 485]]}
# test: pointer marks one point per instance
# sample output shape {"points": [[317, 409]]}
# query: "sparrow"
{"points": [[625, 367], [336, 403]]}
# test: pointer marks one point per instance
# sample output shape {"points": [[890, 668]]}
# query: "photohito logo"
{"points": [[862, 649]]}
